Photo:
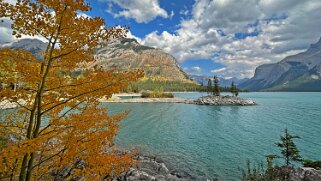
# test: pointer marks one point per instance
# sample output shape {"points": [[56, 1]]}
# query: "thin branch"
{"points": [[63, 115], [74, 97], [64, 54], [49, 158], [70, 85]]}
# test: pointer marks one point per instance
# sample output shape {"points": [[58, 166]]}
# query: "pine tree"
{"points": [[209, 85], [236, 91], [288, 148], [216, 87], [232, 89]]}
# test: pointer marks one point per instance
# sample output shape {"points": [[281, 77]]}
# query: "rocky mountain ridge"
{"points": [[124, 54], [301, 72], [129, 54]]}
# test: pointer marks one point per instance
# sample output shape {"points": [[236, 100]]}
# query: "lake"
{"points": [[209, 141]]}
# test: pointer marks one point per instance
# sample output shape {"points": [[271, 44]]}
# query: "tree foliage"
{"points": [[217, 91], [209, 85], [234, 90], [289, 150], [58, 121]]}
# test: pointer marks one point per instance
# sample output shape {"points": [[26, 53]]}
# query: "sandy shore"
{"points": [[145, 100], [7, 105]]}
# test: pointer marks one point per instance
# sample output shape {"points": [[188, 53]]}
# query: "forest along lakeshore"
{"points": [[80, 100]]}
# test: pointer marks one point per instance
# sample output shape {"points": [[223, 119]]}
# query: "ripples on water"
{"points": [[209, 141]]}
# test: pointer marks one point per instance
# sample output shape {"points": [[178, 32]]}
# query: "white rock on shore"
{"points": [[150, 169]]}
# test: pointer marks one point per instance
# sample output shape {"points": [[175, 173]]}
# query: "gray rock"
{"points": [[149, 169], [222, 101]]}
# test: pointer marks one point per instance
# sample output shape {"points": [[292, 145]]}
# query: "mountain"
{"points": [[301, 72], [129, 54], [203, 79], [124, 54], [30, 45]]}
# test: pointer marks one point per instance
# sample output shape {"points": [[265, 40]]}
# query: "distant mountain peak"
{"points": [[128, 53], [316, 45], [28, 44], [293, 73]]}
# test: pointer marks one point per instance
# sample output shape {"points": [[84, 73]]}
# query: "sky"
{"points": [[228, 38]]}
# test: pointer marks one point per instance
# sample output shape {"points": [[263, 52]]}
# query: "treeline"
{"points": [[171, 86], [289, 153]]}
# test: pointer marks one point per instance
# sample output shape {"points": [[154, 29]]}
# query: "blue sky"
{"points": [[142, 29], [178, 10], [228, 38]]}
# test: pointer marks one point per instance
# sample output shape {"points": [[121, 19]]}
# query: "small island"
{"points": [[214, 97], [223, 101]]}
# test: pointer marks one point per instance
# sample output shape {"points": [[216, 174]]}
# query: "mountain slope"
{"points": [[301, 72], [129, 54], [30, 45], [125, 54]]}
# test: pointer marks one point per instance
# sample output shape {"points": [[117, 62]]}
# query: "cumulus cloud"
{"points": [[215, 71], [280, 28], [193, 70], [143, 11], [6, 31], [196, 68]]}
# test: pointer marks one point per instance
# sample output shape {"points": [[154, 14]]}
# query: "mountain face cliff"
{"points": [[126, 54], [30, 45], [301, 72]]}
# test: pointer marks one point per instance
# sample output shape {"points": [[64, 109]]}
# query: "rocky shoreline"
{"points": [[223, 101], [206, 100], [149, 168], [153, 169]]}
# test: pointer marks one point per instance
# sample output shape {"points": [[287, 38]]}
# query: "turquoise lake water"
{"points": [[209, 141]]}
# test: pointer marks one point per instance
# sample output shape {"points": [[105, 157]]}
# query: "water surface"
{"points": [[209, 141]]}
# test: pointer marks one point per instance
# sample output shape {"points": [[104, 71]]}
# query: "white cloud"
{"points": [[193, 70], [143, 11], [284, 28], [130, 35], [6, 31], [196, 68], [184, 12], [215, 71]]}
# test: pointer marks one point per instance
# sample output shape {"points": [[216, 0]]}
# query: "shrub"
{"points": [[157, 94], [313, 164]]}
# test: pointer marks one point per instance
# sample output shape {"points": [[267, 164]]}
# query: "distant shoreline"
{"points": [[205, 100]]}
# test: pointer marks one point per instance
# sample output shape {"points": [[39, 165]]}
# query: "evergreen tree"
{"points": [[209, 85], [236, 91], [216, 87], [288, 148], [232, 89]]}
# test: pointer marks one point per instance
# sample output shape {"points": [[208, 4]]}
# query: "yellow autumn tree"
{"points": [[58, 129]]}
